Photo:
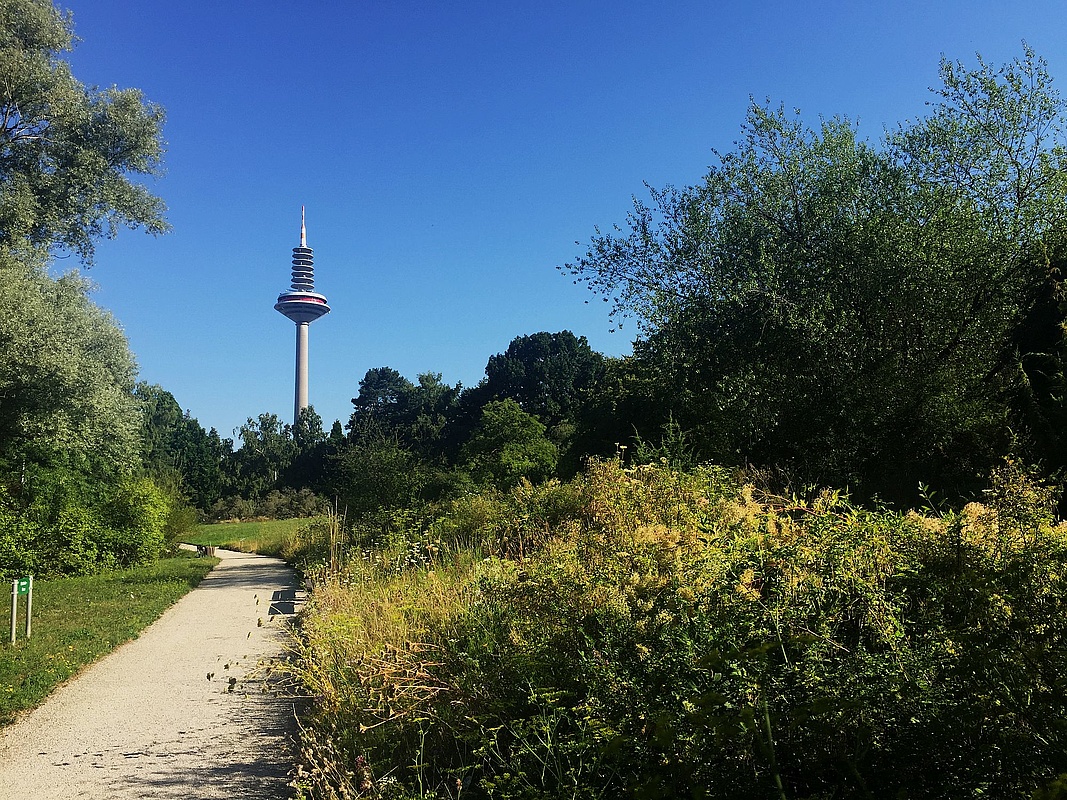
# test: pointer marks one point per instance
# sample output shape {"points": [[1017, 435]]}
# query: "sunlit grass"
{"points": [[266, 537], [78, 620]]}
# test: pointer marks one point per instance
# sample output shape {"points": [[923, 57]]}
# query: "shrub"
{"points": [[18, 555], [650, 632], [291, 504], [137, 517]]}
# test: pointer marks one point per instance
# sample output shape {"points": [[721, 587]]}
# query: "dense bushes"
{"points": [[670, 634], [71, 531], [277, 504]]}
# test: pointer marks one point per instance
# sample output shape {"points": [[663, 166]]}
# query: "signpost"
{"points": [[21, 586]]}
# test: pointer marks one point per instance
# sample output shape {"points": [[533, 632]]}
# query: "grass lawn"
{"points": [[77, 620], [265, 538]]}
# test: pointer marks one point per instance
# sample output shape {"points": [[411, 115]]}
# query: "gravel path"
{"points": [[188, 710]]}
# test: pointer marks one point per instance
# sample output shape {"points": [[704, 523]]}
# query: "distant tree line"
{"points": [[404, 442], [885, 317]]}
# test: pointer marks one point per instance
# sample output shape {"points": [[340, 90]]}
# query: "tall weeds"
{"points": [[650, 632]]}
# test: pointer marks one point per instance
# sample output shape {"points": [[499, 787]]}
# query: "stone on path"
{"points": [[188, 710]]}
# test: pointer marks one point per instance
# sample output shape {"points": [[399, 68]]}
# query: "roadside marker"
{"points": [[21, 586]]}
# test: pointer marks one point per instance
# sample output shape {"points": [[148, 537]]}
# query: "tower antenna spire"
{"points": [[303, 305]]}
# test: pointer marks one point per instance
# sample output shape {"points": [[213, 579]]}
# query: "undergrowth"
{"points": [[650, 633]]}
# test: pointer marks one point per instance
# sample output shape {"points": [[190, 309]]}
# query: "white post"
{"points": [[29, 607], [14, 607]]}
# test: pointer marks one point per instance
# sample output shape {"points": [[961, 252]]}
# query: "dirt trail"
{"points": [[187, 710]]}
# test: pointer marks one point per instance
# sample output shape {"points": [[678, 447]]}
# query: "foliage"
{"points": [[397, 449], [507, 446], [69, 422], [173, 443], [278, 504], [414, 415], [70, 530], [308, 468], [138, 514], [66, 378], [265, 453], [545, 373], [375, 470], [67, 151], [848, 312], [681, 634]]}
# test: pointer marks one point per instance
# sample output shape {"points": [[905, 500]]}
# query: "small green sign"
{"points": [[24, 586]]}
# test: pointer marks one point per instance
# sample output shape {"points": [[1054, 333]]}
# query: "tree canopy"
{"points": [[67, 151], [66, 376], [545, 373], [845, 310], [71, 426]]}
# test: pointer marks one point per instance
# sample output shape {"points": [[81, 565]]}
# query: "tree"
{"points": [[380, 392], [416, 414], [996, 139], [841, 310], [307, 469], [545, 373], [507, 446], [70, 424], [266, 451], [173, 443], [375, 471], [66, 378], [398, 446], [66, 151]]}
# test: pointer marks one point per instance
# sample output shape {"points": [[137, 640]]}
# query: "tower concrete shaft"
{"points": [[301, 401], [303, 305]]}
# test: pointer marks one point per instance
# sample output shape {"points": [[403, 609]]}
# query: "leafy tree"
{"points": [[174, 443], [66, 151], [507, 446], [996, 139], [398, 445], [381, 391], [842, 310], [70, 424], [545, 373], [266, 452], [376, 471], [66, 378], [307, 469], [162, 418], [415, 413], [308, 433]]}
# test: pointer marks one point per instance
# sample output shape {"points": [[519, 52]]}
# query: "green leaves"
{"points": [[667, 633], [66, 375], [67, 153], [841, 310], [507, 446], [994, 140]]}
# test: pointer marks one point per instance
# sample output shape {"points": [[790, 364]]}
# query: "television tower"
{"points": [[303, 305]]}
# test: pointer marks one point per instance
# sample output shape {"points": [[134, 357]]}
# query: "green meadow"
{"points": [[266, 537]]}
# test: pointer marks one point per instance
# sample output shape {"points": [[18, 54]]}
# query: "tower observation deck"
{"points": [[303, 305]]}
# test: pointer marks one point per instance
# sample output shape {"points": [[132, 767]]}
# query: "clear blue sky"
{"points": [[450, 155]]}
